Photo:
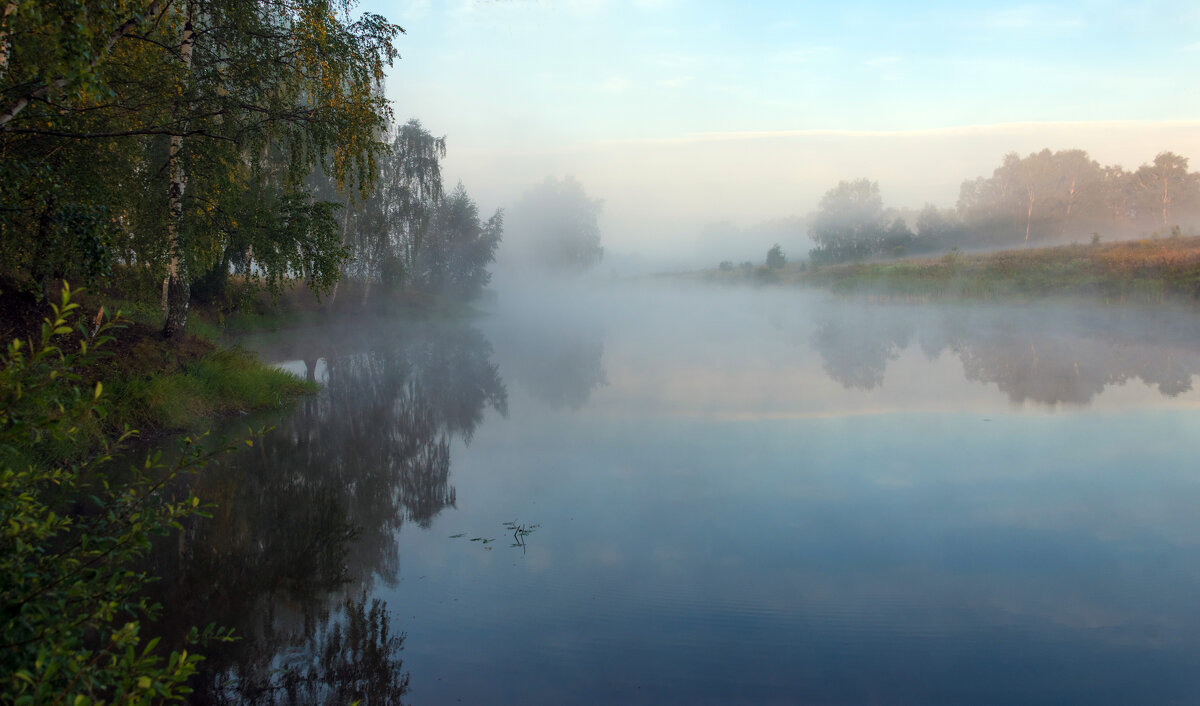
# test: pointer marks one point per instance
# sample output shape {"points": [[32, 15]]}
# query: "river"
{"points": [[665, 495]]}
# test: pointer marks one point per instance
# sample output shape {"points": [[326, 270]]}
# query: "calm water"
{"points": [[731, 496]]}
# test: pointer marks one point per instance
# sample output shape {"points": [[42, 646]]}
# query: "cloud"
{"points": [[654, 5], [882, 61], [800, 55], [616, 84], [960, 130], [1028, 17], [676, 81]]}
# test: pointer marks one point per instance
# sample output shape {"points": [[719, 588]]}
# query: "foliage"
{"points": [[383, 232], [852, 224], [1063, 195], [1044, 197], [175, 136], [70, 533], [556, 226], [405, 233], [458, 247], [775, 258]]}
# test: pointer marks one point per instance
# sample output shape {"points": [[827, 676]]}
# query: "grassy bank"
{"points": [[244, 309], [172, 392], [156, 385], [1141, 271]]}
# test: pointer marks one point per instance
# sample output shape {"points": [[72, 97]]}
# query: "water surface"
{"points": [[731, 496]]}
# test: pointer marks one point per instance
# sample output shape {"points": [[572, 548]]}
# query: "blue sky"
{"points": [[609, 89]]}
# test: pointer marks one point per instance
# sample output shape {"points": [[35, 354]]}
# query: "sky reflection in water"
{"points": [[750, 497]]}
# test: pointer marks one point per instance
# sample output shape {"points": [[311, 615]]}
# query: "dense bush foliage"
{"points": [[72, 527]]}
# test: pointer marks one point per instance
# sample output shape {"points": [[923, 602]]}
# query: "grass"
{"points": [[157, 386], [218, 384], [1151, 271]]}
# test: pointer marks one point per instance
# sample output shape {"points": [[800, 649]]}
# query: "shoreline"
{"points": [[1154, 270]]}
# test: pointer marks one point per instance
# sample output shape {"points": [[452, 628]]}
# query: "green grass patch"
{"points": [[221, 383], [1148, 271]]}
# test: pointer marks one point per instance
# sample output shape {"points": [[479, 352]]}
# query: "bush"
{"points": [[775, 258], [71, 533]]}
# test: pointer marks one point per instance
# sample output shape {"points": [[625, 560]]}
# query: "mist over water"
{"points": [[727, 495]]}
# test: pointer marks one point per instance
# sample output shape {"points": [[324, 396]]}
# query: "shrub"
{"points": [[71, 533], [775, 258]]}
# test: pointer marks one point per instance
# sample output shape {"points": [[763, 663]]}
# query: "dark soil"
{"points": [[21, 313], [135, 349]]}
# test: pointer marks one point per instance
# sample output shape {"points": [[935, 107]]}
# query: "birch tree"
{"points": [[181, 130], [1165, 188]]}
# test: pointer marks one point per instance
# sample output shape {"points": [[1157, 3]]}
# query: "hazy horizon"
{"points": [[680, 114]]}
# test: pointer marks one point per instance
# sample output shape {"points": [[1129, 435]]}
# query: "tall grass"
{"points": [[222, 383]]}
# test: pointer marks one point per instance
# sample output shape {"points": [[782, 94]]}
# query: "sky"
{"points": [[678, 113]]}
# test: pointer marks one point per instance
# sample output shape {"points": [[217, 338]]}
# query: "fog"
{"points": [[746, 352], [660, 195], [594, 485], [712, 472]]}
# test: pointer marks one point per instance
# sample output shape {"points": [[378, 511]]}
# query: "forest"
{"points": [[1041, 199], [164, 147]]}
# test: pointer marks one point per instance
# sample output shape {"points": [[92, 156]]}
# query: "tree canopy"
{"points": [[458, 247], [1044, 197], [172, 138], [555, 226]]}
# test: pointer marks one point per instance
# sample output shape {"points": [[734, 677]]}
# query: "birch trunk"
{"points": [[1166, 201], [345, 236], [176, 290], [10, 8], [1029, 214]]}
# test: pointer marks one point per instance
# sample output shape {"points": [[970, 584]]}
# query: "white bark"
{"points": [[175, 284], [10, 9]]}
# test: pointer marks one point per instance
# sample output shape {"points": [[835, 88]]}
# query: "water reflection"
{"points": [[353, 658], [1047, 359], [559, 366], [314, 509]]}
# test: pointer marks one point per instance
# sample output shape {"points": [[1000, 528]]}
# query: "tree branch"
{"points": [[156, 7], [121, 133]]}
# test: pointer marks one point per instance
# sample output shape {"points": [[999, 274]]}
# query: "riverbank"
{"points": [[161, 386], [151, 384], [1147, 271]]}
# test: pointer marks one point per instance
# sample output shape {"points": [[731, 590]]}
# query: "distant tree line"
{"points": [[555, 228], [1042, 198]]}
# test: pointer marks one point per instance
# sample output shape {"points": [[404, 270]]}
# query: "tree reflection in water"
{"points": [[1041, 356], [559, 366], [310, 515]]}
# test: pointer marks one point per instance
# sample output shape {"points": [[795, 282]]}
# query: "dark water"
{"points": [[730, 496]]}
